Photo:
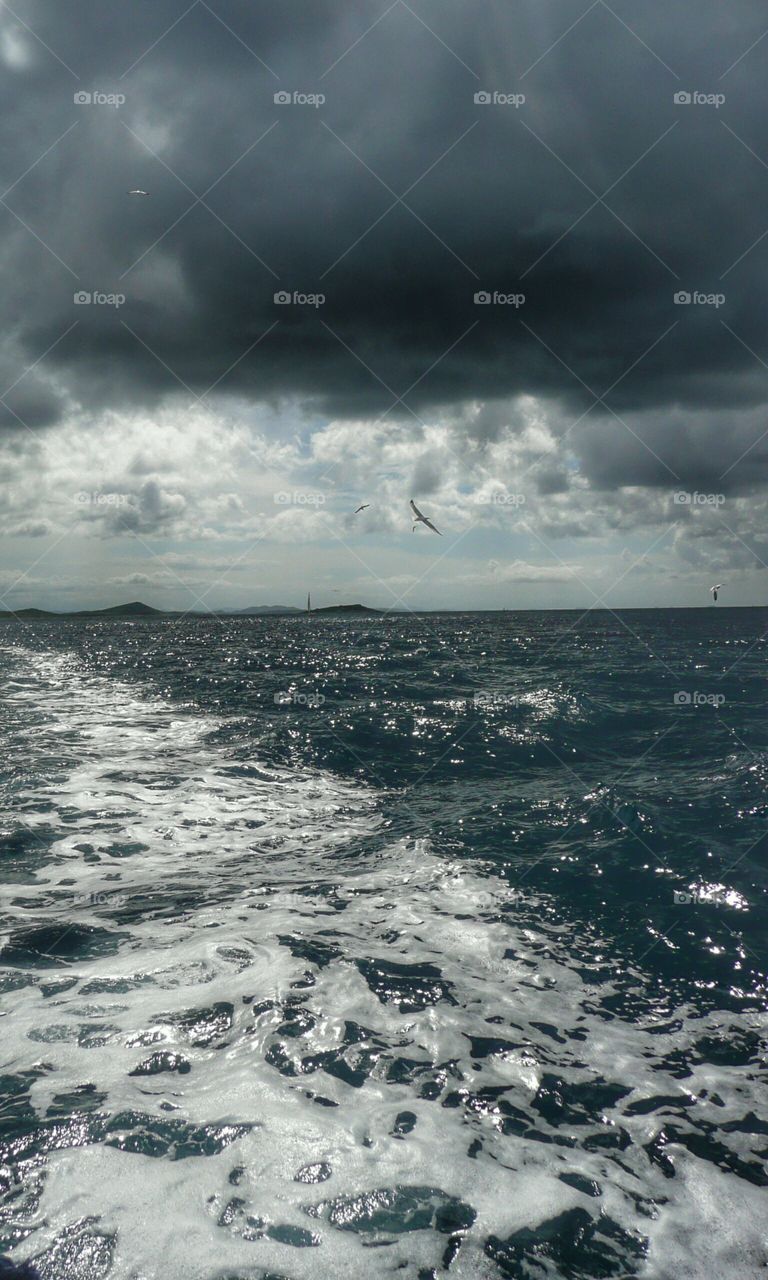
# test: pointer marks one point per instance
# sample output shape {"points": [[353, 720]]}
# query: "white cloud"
{"points": [[137, 498], [16, 46]]}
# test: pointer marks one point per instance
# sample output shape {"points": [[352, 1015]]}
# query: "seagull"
{"points": [[363, 507], [137, 191], [715, 589], [420, 519]]}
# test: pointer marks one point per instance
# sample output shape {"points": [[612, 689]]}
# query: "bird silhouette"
{"points": [[422, 519]]}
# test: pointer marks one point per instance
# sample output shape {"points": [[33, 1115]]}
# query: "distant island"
{"points": [[346, 608], [137, 610]]}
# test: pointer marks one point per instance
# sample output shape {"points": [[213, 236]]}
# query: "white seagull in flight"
{"points": [[715, 589], [422, 519], [137, 191]]}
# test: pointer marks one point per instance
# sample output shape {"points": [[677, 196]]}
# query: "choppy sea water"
{"points": [[421, 947]]}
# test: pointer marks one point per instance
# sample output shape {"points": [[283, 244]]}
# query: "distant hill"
{"points": [[135, 609], [28, 613]]}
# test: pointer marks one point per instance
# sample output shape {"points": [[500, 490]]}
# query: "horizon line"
{"points": [[254, 611]]}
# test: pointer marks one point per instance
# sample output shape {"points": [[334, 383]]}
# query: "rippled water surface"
{"points": [[427, 946]]}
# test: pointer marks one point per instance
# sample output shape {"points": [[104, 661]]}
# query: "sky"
{"points": [[506, 257]]}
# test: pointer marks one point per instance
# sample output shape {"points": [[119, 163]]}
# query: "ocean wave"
{"points": [[246, 1032]]}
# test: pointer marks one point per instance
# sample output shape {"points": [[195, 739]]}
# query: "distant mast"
{"points": [[309, 604]]}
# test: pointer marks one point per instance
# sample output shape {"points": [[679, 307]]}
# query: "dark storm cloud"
{"points": [[505, 207], [677, 448]]}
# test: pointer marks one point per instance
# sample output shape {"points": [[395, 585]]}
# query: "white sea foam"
{"points": [[239, 882]]}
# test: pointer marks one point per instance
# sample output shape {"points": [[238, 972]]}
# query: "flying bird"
{"points": [[422, 519], [715, 589], [137, 191], [363, 507]]}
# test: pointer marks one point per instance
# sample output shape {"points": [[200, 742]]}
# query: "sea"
{"points": [[413, 946]]}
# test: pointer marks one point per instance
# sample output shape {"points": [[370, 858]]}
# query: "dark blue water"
{"points": [[427, 945]]}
